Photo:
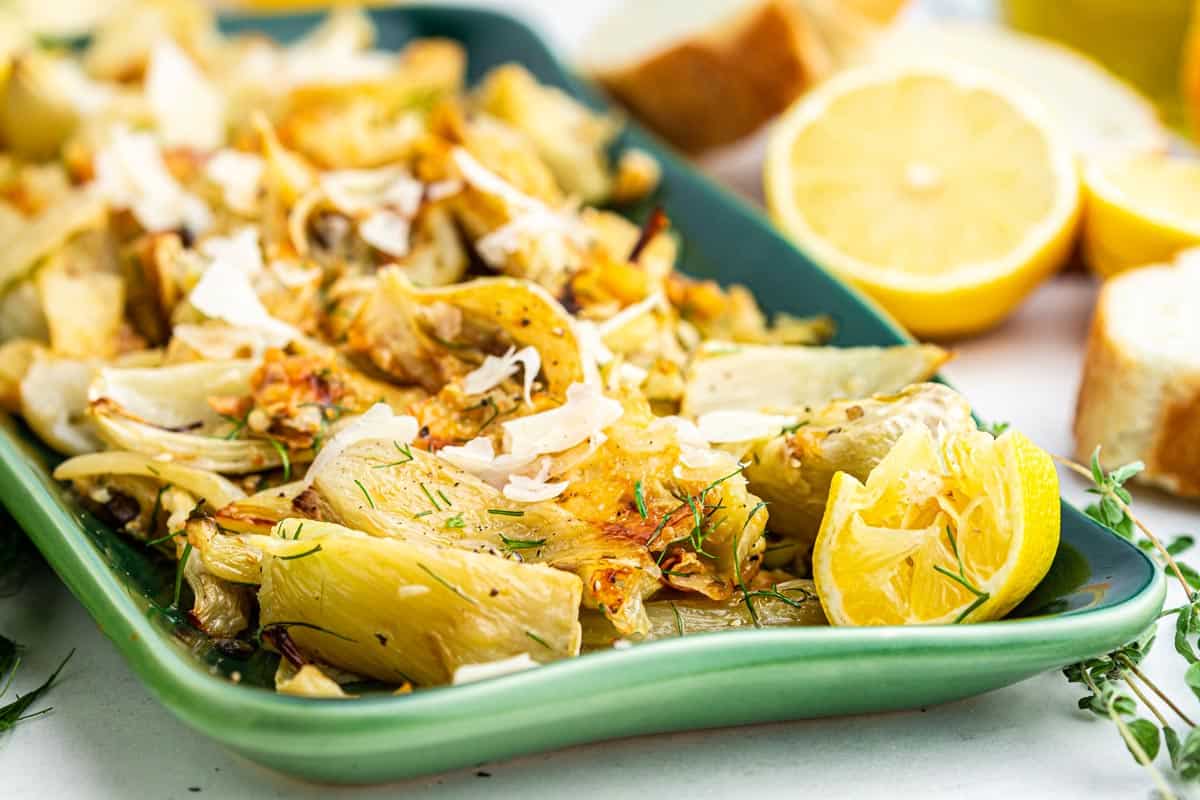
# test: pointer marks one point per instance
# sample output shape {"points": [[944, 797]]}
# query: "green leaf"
{"points": [[1110, 512], [1123, 493], [1183, 626], [1145, 733], [1189, 574], [1124, 473], [1189, 755], [1173, 744], [1192, 678], [1097, 472], [1124, 705], [1180, 544], [1125, 528]]}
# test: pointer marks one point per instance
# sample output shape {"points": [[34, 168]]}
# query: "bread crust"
{"points": [[1137, 406], [714, 88]]}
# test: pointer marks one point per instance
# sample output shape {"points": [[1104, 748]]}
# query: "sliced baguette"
{"points": [[704, 73], [1140, 394]]}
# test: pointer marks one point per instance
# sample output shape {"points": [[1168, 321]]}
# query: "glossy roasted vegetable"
{"points": [[165, 411], [724, 377], [792, 471], [405, 611], [789, 603]]}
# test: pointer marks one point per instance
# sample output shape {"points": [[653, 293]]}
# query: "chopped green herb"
{"points": [[456, 521], [162, 539], [283, 626], [365, 493], [405, 450], [445, 499], [795, 427], [505, 512], [537, 639], [284, 458], [299, 528], [961, 578], [520, 544], [316, 549], [737, 566], [420, 514], [425, 489], [157, 509], [183, 559], [678, 619], [640, 498], [447, 584]]}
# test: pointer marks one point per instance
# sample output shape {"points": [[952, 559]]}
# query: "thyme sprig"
{"points": [[1106, 678]]}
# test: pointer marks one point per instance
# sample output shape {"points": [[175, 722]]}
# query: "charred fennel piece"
{"points": [[726, 376], [403, 610], [792, 471], [790, 603]]}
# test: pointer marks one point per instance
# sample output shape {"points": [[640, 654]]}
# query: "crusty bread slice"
{"points": [[1140, 394], [706, 72]]}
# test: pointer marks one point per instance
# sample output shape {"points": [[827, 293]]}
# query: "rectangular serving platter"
{"points": [[1100, 593]]}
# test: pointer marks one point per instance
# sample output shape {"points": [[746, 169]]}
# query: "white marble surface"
{"points": [[107, 738]]}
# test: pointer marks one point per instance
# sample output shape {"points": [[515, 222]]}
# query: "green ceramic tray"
{"points": [[1100, 593]]}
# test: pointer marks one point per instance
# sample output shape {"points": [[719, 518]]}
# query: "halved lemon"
{"points": [[1139, 210], [959, 530], [942, 192]]}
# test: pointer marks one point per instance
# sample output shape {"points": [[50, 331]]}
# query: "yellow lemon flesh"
{"points": [[945, 195], [1140, 210], [956, 531]]}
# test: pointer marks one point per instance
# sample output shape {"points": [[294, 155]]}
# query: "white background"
{"points": [[108, 738]]}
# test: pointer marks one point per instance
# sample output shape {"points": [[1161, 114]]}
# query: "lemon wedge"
{"points": [[942, 192], [1139, 210], [954, 531]]}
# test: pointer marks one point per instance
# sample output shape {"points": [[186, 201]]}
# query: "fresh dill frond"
{"points": [[639, 497], [520, 544], [448, 584], [284, 458], [961, 578], [678, 620], [538, 639], [183, 559], [445, 499], [283, 626], [405, 450], [737, 566], [365, 493], [429, 496], [505, 512], [313, 551], [456, 521]]}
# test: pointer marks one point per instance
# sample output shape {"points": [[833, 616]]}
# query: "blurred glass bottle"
{"points": [[1141, 40]]}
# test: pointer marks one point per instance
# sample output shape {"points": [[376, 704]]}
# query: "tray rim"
{"points": [[205, 701]]}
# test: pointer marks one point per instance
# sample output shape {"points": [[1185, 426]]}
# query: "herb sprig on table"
{"points": [[1107, 678]]}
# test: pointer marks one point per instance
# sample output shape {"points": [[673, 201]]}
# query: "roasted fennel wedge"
{"points": [[790, 603], [792, 471], [725, 376], [398, 610]]}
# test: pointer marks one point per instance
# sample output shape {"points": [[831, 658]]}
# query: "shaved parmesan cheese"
{"points": [[469, 673], [187, 108], [531, 490], [379, 422], [440, 190], [632, 312], [240, 251], [239, 176], [131, 173], [488, 182], [224, 292], [494, 370], [219, 343], [387, 232], [292, 275], [479, 458], [694, 451], [550, 231], [354, 191], [740, 426], [585, 413]]}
